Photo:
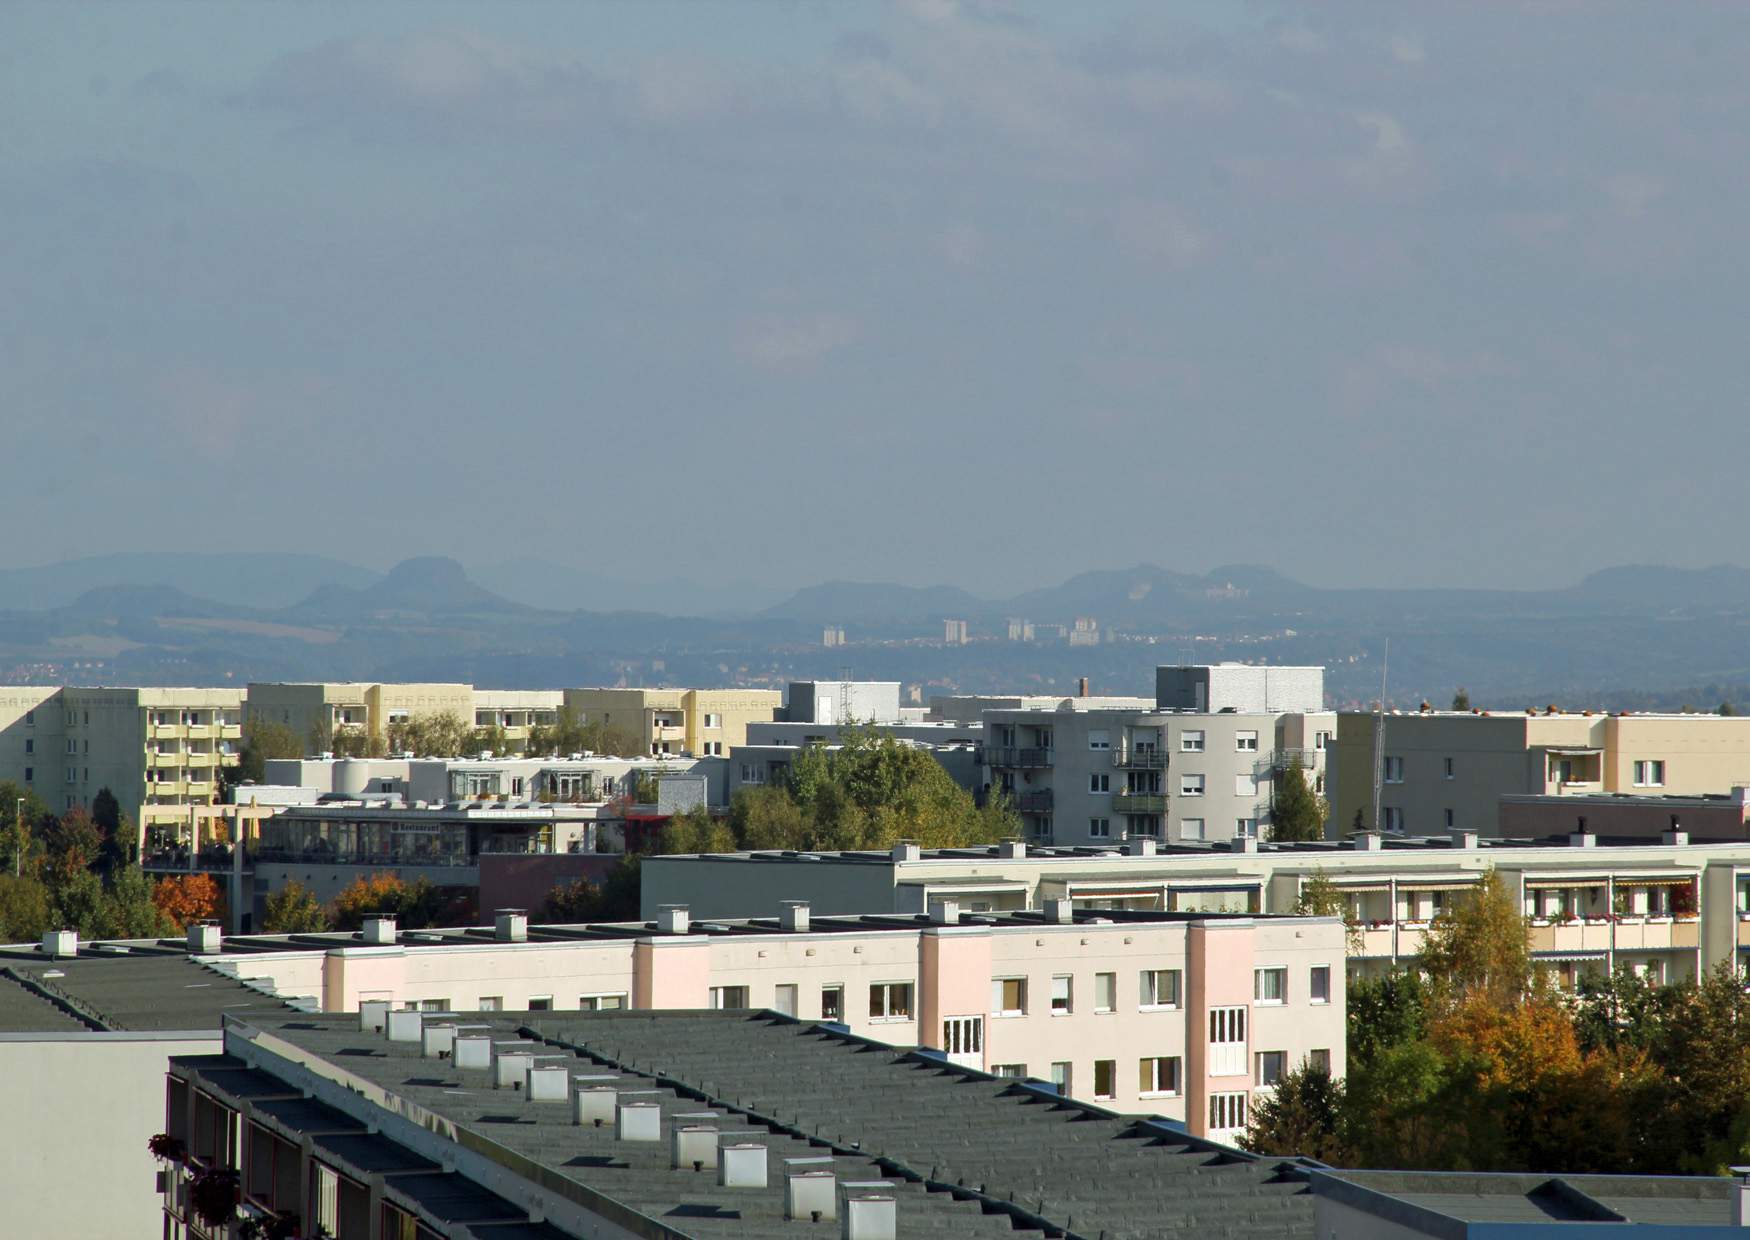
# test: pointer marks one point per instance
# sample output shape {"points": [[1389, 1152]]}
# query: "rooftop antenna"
{"points": [[1379, 735], [844, 694]]}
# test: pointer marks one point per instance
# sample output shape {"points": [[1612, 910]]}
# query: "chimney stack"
{"points": [[1082, 687], [204, 937], [511, 925], [945, 912], [1060, 911], [793, 916], [672, 919], [379, 931]]}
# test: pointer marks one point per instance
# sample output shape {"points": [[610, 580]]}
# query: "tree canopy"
{"points": [[1297, 812], [293, 909]]}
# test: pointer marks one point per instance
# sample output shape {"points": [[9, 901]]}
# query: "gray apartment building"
{"points": [[1198, 767]]}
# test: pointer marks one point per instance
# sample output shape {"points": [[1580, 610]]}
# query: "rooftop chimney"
{"points": [[380, 929], [638, 1121], [1139, 846], [1082, 687], [373, 1015], [511, 925], [1060, 910], [945, 912], [1464, 839], [793, 915], [742, 1165], [811, 1196], [870, 1213], [61, 942], [204, 937], [1243, 844], [1012, 850], [907, 850], [404, 1026], [1367, 841], [1580, 837], [672, 919], [1675, 836]]}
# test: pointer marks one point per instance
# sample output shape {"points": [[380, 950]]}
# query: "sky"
{"points": [[979, 293]]}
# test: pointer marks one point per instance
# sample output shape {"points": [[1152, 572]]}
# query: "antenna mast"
{"points": [[1379, 736]]}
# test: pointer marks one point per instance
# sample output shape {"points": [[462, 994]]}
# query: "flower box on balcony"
{"points": [[1629, 919], [1540, 921], [1598, 921], [1414, 925], [1689, 917], [1744, 915], [1656, 920]]}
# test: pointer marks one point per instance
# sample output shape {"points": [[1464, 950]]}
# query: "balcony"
{"points": [[1035, 802], [164, 759], [229, 731], [1281, 759], [1018, 759], [1411, 937], [1140, 803], [200, 760], [1377, 940], [1574, 935], [1145, 759], [1744, 929]]}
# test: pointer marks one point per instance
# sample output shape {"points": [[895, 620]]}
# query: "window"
{"points": [[1190, 828], [29, 745], [1190, 785], [1099, 781], [29, 774], [1318, 987], [1271, 1065], [1158, 1076], [1449, 818], [1394, 770], [1100, 739], [1394, 817], [1061, 1076], [601, 1003], [1191, 741], [890, 1001], [1245, 784], [30, 719], [1062, 995], [1448, 769], [713, 721], [1105, 992], [1649, 774], [1319, 1061], [784, 999], [1008, 996], [541, 1003], [1105, 1079], [434, 1005], [491, 1003], [1227, 1041], [1270, 985], [728, 997], [1246, 828], [963, 1035], [1160, 988], [832, 1003], [713, 749], [1245, 742], [1321, 740], [1009, 1071], [1143, 824], [1100, 828], [1226, 1112]]}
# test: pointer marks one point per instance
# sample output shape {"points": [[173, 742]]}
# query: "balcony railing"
{"points": [[1140, 760], [1035, 802], [1140, 803], [1281, 759], [1007, 756]]}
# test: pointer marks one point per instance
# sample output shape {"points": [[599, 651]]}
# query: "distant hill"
{"points": [[1653, 585], [265, 579], [559, 587], [425, 585], [848, 602]]}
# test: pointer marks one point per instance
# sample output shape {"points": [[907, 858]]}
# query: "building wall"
{"points": [[79, 1166], [842, 701], [31, 741], [309, 710], [731, 710], [1538, 817], [1253, 689], [1701, 753]]}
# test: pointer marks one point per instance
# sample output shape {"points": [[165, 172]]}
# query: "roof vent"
{"points": [[472, 1052], [945, 912], [1367, 841], [511, 925], [61, 942], [373, 1015], [1243, 844], [1012, 850], [811, 1196], [592, 1106], [1060, 911], [638, 1121], [1740, 1192], [870, 1212], [437, 1041], [1580, 837], [1140, 846], [692, 1146], [672, 919], [907, 850], [379, 931], [547, 1084], [204, 937], [793, 916], [742, 1165], [1674, 836], [404, 1026]]}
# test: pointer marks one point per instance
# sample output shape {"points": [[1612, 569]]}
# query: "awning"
{"points": [[1570, 751], [1116, 893], [1349, 889], [1188, 888], [1664, 880], [1448, 885], [1557, 957], [1545, 884]]}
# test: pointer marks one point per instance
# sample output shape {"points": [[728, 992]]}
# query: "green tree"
{"points": [[1319, 897], [25, 909], [489, 740], [262, 739], [76, 899], [1726, 708], [437, 734], [127, 910], [615, 898], [1624, 1009], [1302, 1115], [1480, 944], [697, 831], [569, 734], [1461, 699], [293, 909], [1296, 811], [1384, 1012]]}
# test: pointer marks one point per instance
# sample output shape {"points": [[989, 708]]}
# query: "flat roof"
{"points": [[1511, 1197], [147, 989]]}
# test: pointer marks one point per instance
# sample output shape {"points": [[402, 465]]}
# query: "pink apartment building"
{"points": [[1180, 1014]]}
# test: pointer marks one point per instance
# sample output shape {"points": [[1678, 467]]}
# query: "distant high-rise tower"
{"points": [[1020, 630], [832, 636], [954, 632], [1086, 632]]}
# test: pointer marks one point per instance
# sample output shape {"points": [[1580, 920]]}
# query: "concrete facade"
{"points": [[703, 722], [842, 701], [1252, 688]]}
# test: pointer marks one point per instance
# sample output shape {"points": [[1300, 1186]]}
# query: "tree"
{"points": [[1384, 1012], [262, 739], [1302, 1115], [1319, 897], [1480, 944], [697, 831], [615, 898], [1296, 811], [1461, 699], [1726, 708], [72, 841], [19, 823], [437, 734], [416, 905], [1624, 1010], [25, 909], [127, 910], [570, 734], [293, 910], [186, 898], [489, 740]]}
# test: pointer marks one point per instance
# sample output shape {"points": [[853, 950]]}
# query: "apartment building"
{"points": [[704, 722], [843, 701], [31, 744], [1198, 767], [1447, 770], [1664, 905], [1715, 816], [970, 707], [517, 711], [315, 712]]}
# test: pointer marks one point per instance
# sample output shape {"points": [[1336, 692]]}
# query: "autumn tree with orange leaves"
{"points": [[186, 898]]}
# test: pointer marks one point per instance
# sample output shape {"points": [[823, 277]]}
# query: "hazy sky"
{"points": [[987, 293]]}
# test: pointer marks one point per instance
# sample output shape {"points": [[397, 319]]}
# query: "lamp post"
{"points": [[18, 852]]}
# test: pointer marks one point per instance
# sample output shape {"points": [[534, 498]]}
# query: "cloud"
{"points": [[781, 342]]}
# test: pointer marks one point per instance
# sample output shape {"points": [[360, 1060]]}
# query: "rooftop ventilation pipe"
{"points": [[379, 930], [1139, 846], [1675, 836], [793, 916], [1243, 844], [907, 850], [1464, 839], [1082, 686], [1060, 911], [1012, 850], [546, 1084], [204, 937], [511, 925], [437, 1041], [945, 912], [672, 919], [869, 1212]]}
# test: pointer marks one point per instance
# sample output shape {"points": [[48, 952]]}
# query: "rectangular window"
{"points": [[1245, 784], [1008, 996], [1062, 994], [490, 1003], [1100, 739], [784, 999], [1099, 781], [1190, 828], [1009, 1071], [1160, 988], [724, 998], [1319, 1061], [1318, 987], [1449, 819], [713, 720], [29, 745], [890, 1001], [1158, 1076], [1100, 828], [1061, 1076], [1448, 770], [1105, 1079], [1271, 1065], [1394, 770], [1321, 740], [1394, 817], [1105, 992], [1649, 774], [601, 1003], [1191, 741], [832, 1004], [1246, 828], [434, 1005], [541, 1003], [1245, 742], [29, 774], [1270, 985], [1190, 785], [1227, 1112], [1227, 1041]]}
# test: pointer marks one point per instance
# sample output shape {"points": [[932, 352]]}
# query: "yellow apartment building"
{"points": [[316, 711], [702, 722]]}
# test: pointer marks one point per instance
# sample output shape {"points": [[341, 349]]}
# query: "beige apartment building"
{"points": [[315, 712], [517, 711], [1447, 770], [702, 722]]}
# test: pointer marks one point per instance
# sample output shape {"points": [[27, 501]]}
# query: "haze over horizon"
{"points": [[980, 294]]}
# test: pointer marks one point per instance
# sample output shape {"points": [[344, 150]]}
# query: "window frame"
{"points": [[1176, 977], [1149, 1074], [1277, 971], [888, 990], [1068, 997], [1312, 988], [999, 1008]]}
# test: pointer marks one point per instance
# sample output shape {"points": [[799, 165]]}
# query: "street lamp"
{"points": [[18, 853]]}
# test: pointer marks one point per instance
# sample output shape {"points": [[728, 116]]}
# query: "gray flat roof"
{"points": [[1513, 1197], [137, 992]]}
